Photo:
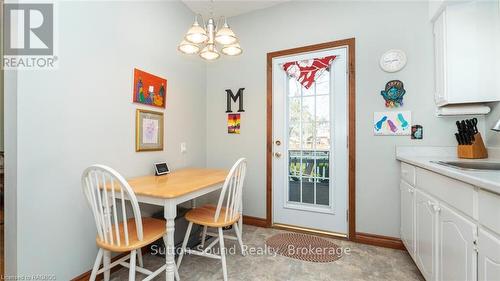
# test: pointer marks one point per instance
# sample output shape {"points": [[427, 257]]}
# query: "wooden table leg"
{"points": [[170, 213]]}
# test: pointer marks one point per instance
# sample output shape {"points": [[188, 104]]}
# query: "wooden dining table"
{"points": [[171, 190]]}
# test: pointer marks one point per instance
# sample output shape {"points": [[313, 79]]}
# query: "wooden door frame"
{"points": [[350, 43]]}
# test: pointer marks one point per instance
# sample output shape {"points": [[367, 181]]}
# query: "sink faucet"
{"points": [[497, 126]]}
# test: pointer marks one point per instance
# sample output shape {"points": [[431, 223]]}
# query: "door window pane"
{"points": [[308, 108], [323, 192], [293, 88], [294, 136], [322, 136], [322, 108], [308, 92], [294, 189], [308, 190], [308, 136], [294, 110]]}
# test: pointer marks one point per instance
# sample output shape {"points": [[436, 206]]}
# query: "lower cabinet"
{"points": [[457, 256], [408, 217], [442, 237], [489, 256], [426, 234]]}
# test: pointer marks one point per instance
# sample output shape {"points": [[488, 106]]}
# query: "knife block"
{"points": [[476, 150]]}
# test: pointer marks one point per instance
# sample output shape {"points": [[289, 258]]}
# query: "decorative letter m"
{"points": [[231, 96]]}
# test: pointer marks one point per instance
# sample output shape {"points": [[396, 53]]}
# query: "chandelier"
{"points": [[202, 39]]}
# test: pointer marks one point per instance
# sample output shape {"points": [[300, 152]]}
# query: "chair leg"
{"points": [[184, 244], [240, 224], [240, 240], [203, 236], [139, 258], [106, 263], [222, 254], [131, 271], [97, 263]]}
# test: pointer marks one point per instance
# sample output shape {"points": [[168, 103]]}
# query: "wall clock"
{"points": [[393, 60]]}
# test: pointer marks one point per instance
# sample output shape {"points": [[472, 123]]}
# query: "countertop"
{"points": [[423, 156]]}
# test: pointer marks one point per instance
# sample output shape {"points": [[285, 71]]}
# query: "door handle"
{"points": [[278, 142], [277, 155]]}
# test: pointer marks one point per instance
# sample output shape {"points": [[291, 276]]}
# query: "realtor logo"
{"points": [[28, 36]]}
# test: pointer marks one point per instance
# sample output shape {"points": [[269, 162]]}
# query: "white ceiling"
{"points": [[228, 8]]}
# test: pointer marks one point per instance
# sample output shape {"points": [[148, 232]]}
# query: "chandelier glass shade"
{"points": [[203, 40], [232, 50], [188, 48]]}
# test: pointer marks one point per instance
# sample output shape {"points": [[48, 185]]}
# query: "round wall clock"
{"points": [[393, 60]]}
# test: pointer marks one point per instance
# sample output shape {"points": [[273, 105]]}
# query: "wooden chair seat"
{"points": [[153, 229], [205, 216]]}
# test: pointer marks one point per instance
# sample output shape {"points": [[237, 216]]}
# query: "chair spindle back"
{"points": [[104, 188], [231, 194]]}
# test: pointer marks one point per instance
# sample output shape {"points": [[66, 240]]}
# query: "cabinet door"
{"points": [[457, 255], [440, 60], [489, 256], [408, 217], [426, 235]]}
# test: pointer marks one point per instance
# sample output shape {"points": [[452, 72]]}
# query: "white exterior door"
{"points": [[310, 176]]}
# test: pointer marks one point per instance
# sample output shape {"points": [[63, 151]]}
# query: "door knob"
{"points": [[277, 155], [278, 142]]}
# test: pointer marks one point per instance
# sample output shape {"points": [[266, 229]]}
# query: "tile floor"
{"points": [[362, 263]]}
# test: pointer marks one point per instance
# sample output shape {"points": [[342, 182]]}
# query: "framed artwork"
{"points": [[393, 94], [148, 130], [417, 132], [392, 123], [149, 89], [233, 123]]}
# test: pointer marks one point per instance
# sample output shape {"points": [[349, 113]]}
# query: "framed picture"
{"points": [[392, 123], [233, 123], [148, 130], [149, 89]]}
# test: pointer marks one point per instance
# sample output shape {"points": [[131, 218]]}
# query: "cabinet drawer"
{"points": [[408, 173], [456, 193], [489, 210]]}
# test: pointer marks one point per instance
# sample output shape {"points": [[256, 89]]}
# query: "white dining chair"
{"points": [[107, 192], [219, 217]]}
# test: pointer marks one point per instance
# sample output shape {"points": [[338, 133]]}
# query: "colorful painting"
{"points": [[149, 89], [148, 130], [393, 94], [233, 123], [392, 123], [417, 132]]}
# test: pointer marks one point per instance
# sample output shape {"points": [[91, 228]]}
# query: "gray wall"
{"points": [[11, 167], [82, 114], [492, 137], [377, 27]]}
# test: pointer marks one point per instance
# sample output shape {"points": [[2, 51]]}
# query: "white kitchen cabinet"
{"points": [[457, 255], [426, 234], [488, 256], [466, 50], [408, 217], [450, 228]]}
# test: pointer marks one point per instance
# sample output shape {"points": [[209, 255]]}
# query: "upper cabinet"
{"points": [[467, 51]]}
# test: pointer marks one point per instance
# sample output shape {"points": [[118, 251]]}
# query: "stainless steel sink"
{"points": [[471, 165]]}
